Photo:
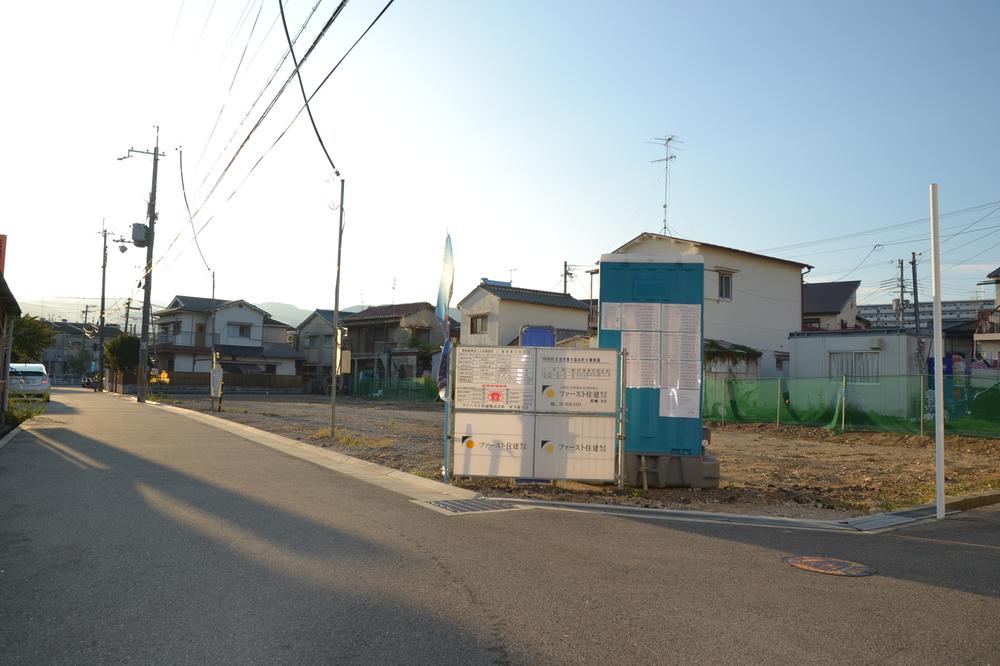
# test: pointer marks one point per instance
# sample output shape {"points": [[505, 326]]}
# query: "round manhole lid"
{"points": [[829, 565]]}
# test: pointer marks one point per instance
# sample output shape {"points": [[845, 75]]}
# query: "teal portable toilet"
{"points": [[652, 308]]}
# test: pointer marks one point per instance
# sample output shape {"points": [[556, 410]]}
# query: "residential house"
{"points": [[987, 336], [247, 339], [752, 301], [393, 341], [494, 312], [75, 343], [314, 340], [829, 306]]}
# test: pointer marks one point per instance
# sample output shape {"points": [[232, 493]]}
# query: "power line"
{"points": [[879, 229]]}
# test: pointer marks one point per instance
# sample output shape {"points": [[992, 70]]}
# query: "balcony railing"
{"points": [[985, 327], [186, 339]]}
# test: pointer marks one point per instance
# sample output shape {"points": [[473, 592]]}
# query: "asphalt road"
{"points": [[129, 533]]}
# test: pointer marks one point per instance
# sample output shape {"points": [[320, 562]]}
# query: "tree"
{"points": [[122, 353], [31, 336], [79, 363]]}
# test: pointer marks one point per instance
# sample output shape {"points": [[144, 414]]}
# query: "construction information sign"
{"points": [[576, 380], [500, 378], [554, 412]]}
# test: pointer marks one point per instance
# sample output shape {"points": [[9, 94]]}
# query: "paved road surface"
{"points": [[130, 533]]}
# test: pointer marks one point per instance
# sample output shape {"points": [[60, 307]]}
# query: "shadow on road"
{"points": [[138, 560]]}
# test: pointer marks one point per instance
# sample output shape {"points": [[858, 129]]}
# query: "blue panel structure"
{"points": [[631, 280]]}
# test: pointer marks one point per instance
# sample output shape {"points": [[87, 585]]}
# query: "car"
{"points": [[29, 379]]}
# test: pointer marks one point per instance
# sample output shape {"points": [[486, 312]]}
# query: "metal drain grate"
{"points": [[472, 505]]}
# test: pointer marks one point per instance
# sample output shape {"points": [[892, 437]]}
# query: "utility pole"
{"points": [[666, 142], [100, 322], [336, 325], [916, 299], [566, 275], [148, 275], [902, 293], [86, 312]]}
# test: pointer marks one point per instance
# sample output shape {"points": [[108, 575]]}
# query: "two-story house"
{"points": [[751, 300], [314, 341], [494, 312], [987, 336], [830, 306], [247, 339], [395, 341]]}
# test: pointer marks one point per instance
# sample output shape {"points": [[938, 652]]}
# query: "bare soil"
{"points": [[781, 471]]}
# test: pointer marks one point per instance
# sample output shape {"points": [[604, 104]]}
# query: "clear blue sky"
{"points": [[520, 127]]}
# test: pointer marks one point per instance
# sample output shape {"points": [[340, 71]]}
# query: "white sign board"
{"points": [[500, 378], [576, 380], [494, 444], [574, 447]]}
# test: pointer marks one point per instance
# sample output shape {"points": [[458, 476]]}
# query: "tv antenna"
{"points": [[668, 142]]}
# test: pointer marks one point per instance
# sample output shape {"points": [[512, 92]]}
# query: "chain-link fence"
{"points": [[903, 404]]}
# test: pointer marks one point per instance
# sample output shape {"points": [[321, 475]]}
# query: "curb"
{"points": [[404, 483], [10, 435]]}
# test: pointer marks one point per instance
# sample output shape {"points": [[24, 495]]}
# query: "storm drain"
{"points": [[464, 506]]}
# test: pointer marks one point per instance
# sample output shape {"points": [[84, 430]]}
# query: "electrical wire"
{"points": [[298, 73], [877, 246], [188, 207]]}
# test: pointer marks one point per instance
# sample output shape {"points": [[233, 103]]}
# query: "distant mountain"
{"points": [[286, 313], [289, 314]]}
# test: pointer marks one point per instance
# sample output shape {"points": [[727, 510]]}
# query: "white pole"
{"points": [[938, 358]]}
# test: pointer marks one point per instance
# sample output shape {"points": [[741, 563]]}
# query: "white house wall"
{"points": [[478, 303], [766, 300], [241, 314], [319, 353], [515, 314]]}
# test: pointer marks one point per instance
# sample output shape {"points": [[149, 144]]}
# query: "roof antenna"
{"points": [[667, 143]]}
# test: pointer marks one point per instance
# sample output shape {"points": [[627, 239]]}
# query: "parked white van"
{"points": [[29, 379]]}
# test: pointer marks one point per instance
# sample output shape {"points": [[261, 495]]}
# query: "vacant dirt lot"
{"points": [[787, 471]]}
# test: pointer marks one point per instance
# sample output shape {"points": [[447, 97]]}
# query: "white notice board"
{"points": [[574, 447], [576, 380], [500, 378], [494, 444]]}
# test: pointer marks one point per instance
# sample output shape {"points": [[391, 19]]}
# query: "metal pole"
{"points": [[335, 351], [447, 411], [923, 392], [843, 402], [622, 419], [777, 411], [938, 358], [100, 324]]}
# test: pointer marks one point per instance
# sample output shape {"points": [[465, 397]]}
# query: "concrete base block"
{"points": [[673, 471]]}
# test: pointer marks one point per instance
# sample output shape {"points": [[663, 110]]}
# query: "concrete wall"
{"points": [[766, 303]]}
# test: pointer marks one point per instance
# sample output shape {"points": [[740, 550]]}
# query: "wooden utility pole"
{"points": [[336, 325], [902, 293], [147, 277], [86, 312], [916, 298]]}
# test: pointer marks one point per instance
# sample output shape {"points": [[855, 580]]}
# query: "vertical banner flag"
{"points": [[443, 300]]}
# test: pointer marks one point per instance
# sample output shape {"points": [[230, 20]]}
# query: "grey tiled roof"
{"points": [[994, 274], [394, 311], [827, 297], [521, 295]]}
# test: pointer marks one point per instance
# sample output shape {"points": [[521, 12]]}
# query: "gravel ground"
{"points": [[786, 471]]}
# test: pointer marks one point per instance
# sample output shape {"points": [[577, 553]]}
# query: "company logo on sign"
{"points": [[495, 395], [468, 441], [548, 391], [547, 446]]}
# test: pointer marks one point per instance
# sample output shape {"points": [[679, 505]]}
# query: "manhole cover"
{"points": [[829, 565]]}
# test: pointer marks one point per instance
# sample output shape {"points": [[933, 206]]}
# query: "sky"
{"points": [[524, 129]]}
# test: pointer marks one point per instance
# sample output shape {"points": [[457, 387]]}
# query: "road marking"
{"points": [[949, 542]]}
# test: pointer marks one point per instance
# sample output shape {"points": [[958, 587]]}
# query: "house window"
{"points": [[781, 361], [860, 367], [477, 324], [725, 286], [239, 330], [312, 340]]}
